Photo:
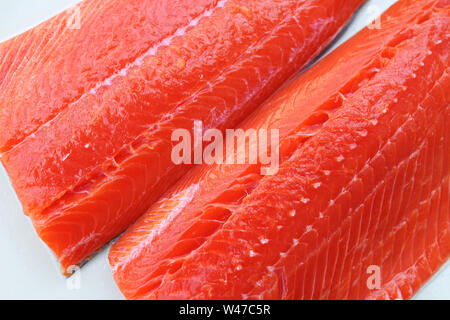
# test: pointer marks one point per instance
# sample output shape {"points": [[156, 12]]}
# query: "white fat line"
{"points": [[136, 63], [183, 198], [154, 49]]}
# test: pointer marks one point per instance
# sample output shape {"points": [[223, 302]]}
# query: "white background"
{"points": [[28, 269]]}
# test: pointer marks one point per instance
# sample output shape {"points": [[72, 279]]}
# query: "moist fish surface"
{"points": [[88, 105], [359, 208]]}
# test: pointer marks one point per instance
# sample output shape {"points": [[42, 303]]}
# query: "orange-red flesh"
{"points": [[364, 181], [87, 113]]}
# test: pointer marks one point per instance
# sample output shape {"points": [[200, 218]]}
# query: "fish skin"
{"points": [[88, 164], [360, 186]]}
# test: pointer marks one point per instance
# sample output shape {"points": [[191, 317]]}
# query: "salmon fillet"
{"points": [[363, 184], [87, 114]]}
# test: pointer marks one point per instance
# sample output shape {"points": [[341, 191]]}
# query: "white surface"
{"points": [[28, 270]]}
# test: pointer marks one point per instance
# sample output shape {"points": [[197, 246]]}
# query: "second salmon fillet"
{"points": [[87, 111], [359, 207]]}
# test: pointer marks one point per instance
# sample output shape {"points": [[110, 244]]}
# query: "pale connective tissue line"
{"points": [[134, 64], [154, 49]]}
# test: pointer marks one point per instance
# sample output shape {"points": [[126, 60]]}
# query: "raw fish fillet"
{"points": [[87, 110], [363, 184]]}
